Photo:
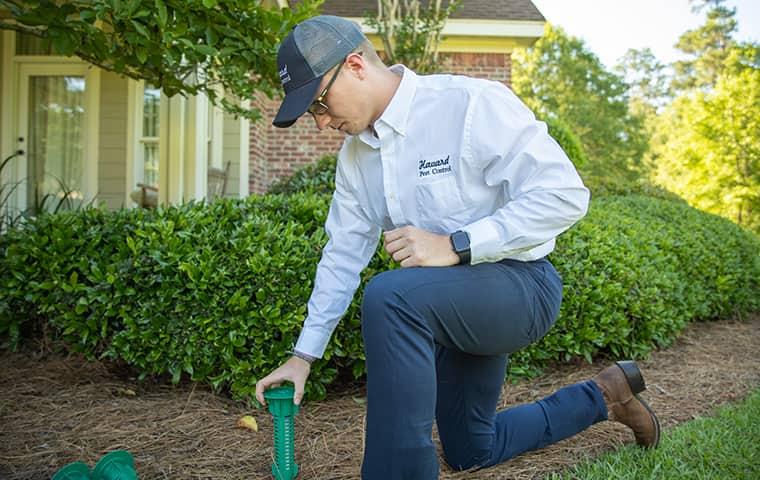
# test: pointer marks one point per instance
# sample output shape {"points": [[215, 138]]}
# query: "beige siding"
{"points": [[112, 151], [231, 153], [7, 141], [5, 149], [2, 75]]}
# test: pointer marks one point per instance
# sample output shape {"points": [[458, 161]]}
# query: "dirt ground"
{"points": [[55, 410]]}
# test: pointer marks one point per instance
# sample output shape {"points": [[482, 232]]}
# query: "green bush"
{"points": [[610, 183], [636, 269], [218, 292], [215, 291], [569, 142], [315, 178]]}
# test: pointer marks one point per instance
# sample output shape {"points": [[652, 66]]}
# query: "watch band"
{"points": [[464, 257]]}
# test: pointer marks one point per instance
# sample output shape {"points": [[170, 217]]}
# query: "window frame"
{"points": [[136, 141]]}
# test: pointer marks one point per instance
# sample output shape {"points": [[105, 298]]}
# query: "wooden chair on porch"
{"points": [[217, 182], [146, 196]]}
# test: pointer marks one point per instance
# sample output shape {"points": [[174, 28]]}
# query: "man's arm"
{"points": [[352, 242], [544, 193]]}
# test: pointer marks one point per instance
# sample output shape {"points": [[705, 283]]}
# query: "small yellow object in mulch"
{"points": [[248, 422]]}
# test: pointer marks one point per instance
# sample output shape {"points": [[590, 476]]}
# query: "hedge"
{"points": [[217, 293], [316, 178]]}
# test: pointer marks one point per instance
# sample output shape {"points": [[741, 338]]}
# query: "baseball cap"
{"points": [[309, 51]]}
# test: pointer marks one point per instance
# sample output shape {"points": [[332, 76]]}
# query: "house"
{"points": [[111, 139], [106, 138]]}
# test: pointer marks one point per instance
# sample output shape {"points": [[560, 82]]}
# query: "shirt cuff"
{"points": [[312, 342], [484, 241], [303, 356]]}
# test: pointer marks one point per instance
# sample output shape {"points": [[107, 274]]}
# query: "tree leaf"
{"points": [[162, 12]]}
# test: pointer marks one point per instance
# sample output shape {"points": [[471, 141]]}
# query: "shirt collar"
{"points": [[397, 111]]}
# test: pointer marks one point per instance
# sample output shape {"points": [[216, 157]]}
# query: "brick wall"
{"points": [[495, 66], [257, 170], [277, 152]]}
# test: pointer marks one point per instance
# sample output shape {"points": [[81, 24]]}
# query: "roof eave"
{"points": [[478, 35], [529, 30]]}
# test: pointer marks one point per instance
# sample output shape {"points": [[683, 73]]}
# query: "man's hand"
{"points": [[414, 247], [294, 369]]}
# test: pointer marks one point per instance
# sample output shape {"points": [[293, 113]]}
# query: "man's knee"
{"points": [[381, 298], [378, 292], [387, 308]]}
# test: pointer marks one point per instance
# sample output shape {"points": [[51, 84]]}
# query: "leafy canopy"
{"points": [[560, 76], [706, 47], [707, 148], [647, 79], [182, 46], [705, 145], [411, 33]]}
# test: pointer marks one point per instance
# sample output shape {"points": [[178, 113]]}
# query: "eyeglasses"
{"points": [[318, 106]]}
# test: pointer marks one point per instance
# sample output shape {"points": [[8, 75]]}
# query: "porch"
{"points": [[92, 136]]}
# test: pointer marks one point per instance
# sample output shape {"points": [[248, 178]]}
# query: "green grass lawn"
{"points": [[725, 446]]}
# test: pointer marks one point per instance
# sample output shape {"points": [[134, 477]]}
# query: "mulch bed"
{"points": [[55, 410]]}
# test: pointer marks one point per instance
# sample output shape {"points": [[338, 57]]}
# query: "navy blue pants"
{"points": [[436, 343]]}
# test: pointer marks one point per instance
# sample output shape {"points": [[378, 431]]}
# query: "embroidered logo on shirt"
{"points": [[432, 168]]}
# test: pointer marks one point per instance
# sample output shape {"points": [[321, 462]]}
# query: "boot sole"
{"points": [[636, 382]]}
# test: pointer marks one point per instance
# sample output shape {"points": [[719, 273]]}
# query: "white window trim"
{"points": [[216, 115], [198, 169], [135, 153], [208, 145], [183, 145], [8, 144]]}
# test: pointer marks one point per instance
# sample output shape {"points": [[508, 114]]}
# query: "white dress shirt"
{"points": [[448, 153]]}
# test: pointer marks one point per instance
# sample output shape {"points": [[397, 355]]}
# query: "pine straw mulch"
{"points": [[55, 410]]}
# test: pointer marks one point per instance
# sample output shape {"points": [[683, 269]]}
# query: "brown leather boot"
{"points": [[620, 384]]}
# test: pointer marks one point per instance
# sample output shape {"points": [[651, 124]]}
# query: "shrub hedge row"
{"points": [[217, 292]]}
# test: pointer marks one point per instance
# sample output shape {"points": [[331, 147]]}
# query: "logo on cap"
{"points": [[284, 75]]}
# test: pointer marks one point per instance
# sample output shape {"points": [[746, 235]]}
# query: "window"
{"points": [[148, 137], [56, 149], [54, 123]]}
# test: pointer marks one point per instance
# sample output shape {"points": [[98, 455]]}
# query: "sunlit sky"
{"points": [[610, 27]]}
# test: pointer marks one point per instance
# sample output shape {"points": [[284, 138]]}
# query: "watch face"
{"points": [[461, 241]]}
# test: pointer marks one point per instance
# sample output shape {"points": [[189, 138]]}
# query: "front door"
{"points": [[53, 117]]}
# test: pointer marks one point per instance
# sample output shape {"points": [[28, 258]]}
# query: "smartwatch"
{"points": [[460, 241]]}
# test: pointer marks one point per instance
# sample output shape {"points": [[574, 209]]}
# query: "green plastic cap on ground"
{"points": [[117, 465], [73, 471], [282, 408]]}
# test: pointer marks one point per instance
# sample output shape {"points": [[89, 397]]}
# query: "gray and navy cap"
{"points": [[307, 53]]}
